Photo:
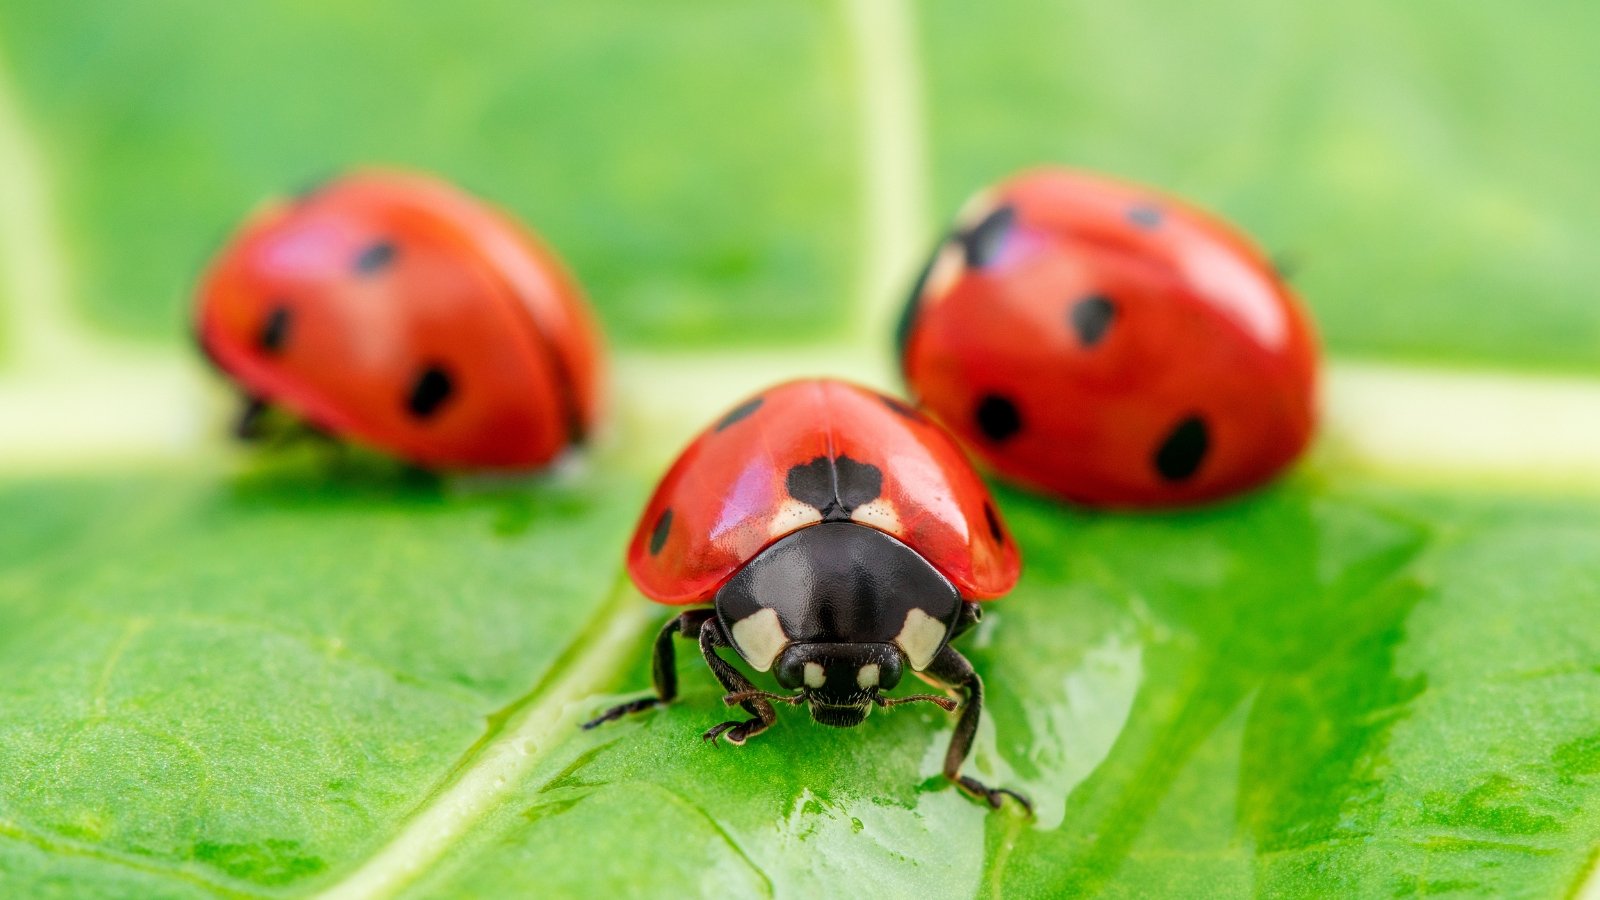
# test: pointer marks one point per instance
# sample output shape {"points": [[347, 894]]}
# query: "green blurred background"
{"points": [[1427, 167]]}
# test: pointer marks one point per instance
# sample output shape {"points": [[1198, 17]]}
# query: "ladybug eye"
{"points": [[375, 258], [431, 389], [1090, 317], [1184, 449], [274, 330]]}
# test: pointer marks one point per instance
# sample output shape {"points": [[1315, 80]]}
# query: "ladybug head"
{"points": [[838, 611], [840, 682]]}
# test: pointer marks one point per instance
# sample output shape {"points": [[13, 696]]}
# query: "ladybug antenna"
{"points": [[939, 700], [738, 697]]}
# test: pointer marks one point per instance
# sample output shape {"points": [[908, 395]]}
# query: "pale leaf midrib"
{"points": [[494, 768]]}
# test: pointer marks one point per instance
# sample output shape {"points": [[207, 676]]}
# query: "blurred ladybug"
{"points": [[1111, 345], [840, 539], [397, 311]]}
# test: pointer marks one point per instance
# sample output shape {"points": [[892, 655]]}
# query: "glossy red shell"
{"points": [[1189, 375], [727, 497], [384, 276]]}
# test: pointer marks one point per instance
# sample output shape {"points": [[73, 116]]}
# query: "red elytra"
{"points": [[728, 495], [395, 310], [1111, 345]]}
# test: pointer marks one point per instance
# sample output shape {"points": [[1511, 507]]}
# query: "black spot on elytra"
{"points": [[1091, 317], [376, 258], [1183, 449], [836, 487], [1146, 216], [740, 412], [274, 331], [429, 391], [658, 534], [997, 417], [984, 240], [900, 408], [993, 518]]}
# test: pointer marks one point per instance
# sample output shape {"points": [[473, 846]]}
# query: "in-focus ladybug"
{"points": [[395, 310], [841, 539], [1111, 345]]}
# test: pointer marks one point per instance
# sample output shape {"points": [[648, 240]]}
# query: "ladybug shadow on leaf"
{"points": [[297, 467], [893, 757], [317, 475]]}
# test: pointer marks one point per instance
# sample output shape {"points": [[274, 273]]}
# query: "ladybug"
{"points": [[834, 537], [397, 311], [1110, 345]]}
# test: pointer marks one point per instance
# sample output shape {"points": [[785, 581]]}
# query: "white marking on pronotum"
{"points": [[867, 678], [815, 677], [921, 638], [760, 638], [793, 515], [977, 208], [879, 514], [947, 267]]}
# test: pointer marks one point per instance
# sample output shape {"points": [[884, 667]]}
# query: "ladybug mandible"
{"points": [[1111, 345], [841, 539], [397, 311]]}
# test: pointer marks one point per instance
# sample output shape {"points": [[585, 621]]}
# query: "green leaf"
{"points": [[1316, 691], [248, 683], [297, 673]]}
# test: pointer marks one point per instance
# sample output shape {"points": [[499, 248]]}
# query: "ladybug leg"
{"points": [[313, 432], [663, 666], [952, 670], [257, 423], [734, 682], [248, 426], [970, 615]]}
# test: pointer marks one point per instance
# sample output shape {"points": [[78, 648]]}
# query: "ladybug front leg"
{"points": [[258, 421], [248, 426], [952, 670], [734, 682], [663, 666]]}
